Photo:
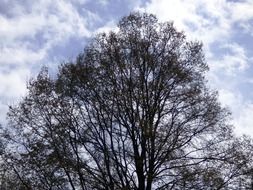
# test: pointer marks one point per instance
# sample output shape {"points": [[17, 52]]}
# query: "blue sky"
{"points": [[47, 32]]}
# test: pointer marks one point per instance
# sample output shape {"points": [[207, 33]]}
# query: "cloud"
{"points": [[29, 31], [45, 32], [52, 22], [233, 60], [219, 24], [12, 79], [242, 111], [35, 33], [109, 26], [203, 20], [207, 21], [12, 88], [20, 55], [242, 11], [244, 120]]}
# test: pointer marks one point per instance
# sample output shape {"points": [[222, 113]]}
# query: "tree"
{"points": [[132, 112]]}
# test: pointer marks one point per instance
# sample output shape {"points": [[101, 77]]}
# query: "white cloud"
{"points": [[242, 11], [36, 27], [26, 37], [12, 83], [52, 22], [203, 20], [109, 26], [207, 21], [233, 60], [242, 111], [20, 55], [213, 23], [232, 99], [12, 88], [244, 120]]}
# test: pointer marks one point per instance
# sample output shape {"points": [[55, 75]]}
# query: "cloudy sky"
{"points": [[46, 33]]}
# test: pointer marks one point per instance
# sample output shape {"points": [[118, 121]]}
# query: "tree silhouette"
{"points": [[132, 112]]}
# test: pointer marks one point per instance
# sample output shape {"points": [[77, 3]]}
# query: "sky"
{"points": [[41, 33]]}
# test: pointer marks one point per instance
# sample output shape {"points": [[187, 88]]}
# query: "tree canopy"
{"points": [[133, 111]]}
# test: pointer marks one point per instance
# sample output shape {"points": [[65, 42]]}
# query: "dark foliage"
{"points": [[133, 112]]}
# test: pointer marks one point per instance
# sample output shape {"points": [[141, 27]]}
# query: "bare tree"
{"points": [[132, 112]]}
